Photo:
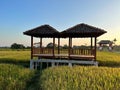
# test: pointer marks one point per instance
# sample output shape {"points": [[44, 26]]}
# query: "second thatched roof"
{"points": [[82, 30]]}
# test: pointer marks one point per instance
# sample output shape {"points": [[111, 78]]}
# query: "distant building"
{"points": [[105, 43]]}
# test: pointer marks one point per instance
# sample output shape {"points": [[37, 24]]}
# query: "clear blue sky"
{"points": [[17, 16]]}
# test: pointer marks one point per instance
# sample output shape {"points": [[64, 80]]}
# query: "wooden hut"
{"points": [[77, 31], [103, 43]]}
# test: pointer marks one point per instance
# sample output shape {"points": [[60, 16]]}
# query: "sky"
{"points": [[17, 16]]}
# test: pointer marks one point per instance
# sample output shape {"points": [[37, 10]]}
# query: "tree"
{"points": [[17, 46], [65, 46], [28, 47], [50, 45], [114, 40]]}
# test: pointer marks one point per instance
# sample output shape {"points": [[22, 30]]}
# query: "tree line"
{"points": [[18, 46]]}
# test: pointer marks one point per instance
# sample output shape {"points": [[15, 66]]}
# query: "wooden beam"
{"points": [[41, 42], [58, 45], [71, 46], [53, 46], [69, 49], [31, 47], [95, 47], [71, 42], [41, 45], [91, 46]]}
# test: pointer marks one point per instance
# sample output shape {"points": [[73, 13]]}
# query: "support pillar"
{"points": [[41, 45], [31, 47], [58, 45], [95, 47], [70, 64], [71, 43], [53, 64], [91, 46], [53, 46], [69, 51]]}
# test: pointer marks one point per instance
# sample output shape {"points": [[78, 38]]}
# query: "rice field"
{"points": [[16, 75], [80, 78], [109, 59]]}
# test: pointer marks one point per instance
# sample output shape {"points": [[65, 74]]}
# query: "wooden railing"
{"points": [[46, 51], [82, 52], [42, 51], [64, 51], [36, 50]]}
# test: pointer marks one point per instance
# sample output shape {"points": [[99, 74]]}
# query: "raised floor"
{"points": [[64, 56]]}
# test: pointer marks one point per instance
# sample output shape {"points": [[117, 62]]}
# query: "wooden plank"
{"points": [[61, 56]]}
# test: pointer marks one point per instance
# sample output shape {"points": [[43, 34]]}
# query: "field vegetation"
{"points": [[16, 75], [80, 78]]}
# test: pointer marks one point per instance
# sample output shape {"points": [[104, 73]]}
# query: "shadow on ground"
{"points": [[34, 82], [24, 63], [109, 63]]}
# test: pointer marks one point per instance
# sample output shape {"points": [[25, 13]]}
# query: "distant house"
{"points": [[105, 43]]}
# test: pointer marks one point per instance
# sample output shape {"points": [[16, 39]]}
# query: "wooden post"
{"points": [[71, 46], [71, 42], [95, 48], [53, 46], [58, 45], [69, 51], [40, 45], [91, 46], [31, 47]]}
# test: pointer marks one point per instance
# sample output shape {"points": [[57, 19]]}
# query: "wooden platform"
{"points": [[64, 56]]}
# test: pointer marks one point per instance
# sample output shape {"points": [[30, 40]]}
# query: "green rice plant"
{"points": [[111, 59], [15, 57], [14, 77], [15, 74], [80, 78], [19, 55]]}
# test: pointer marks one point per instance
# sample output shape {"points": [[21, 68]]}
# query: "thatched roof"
{"points": [[42, 31], [105, 42], [82, 30]]}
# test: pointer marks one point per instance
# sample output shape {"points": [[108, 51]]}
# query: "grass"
{"points": [[15, 57], [110, 59], [14, 77], [15, 74]]}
